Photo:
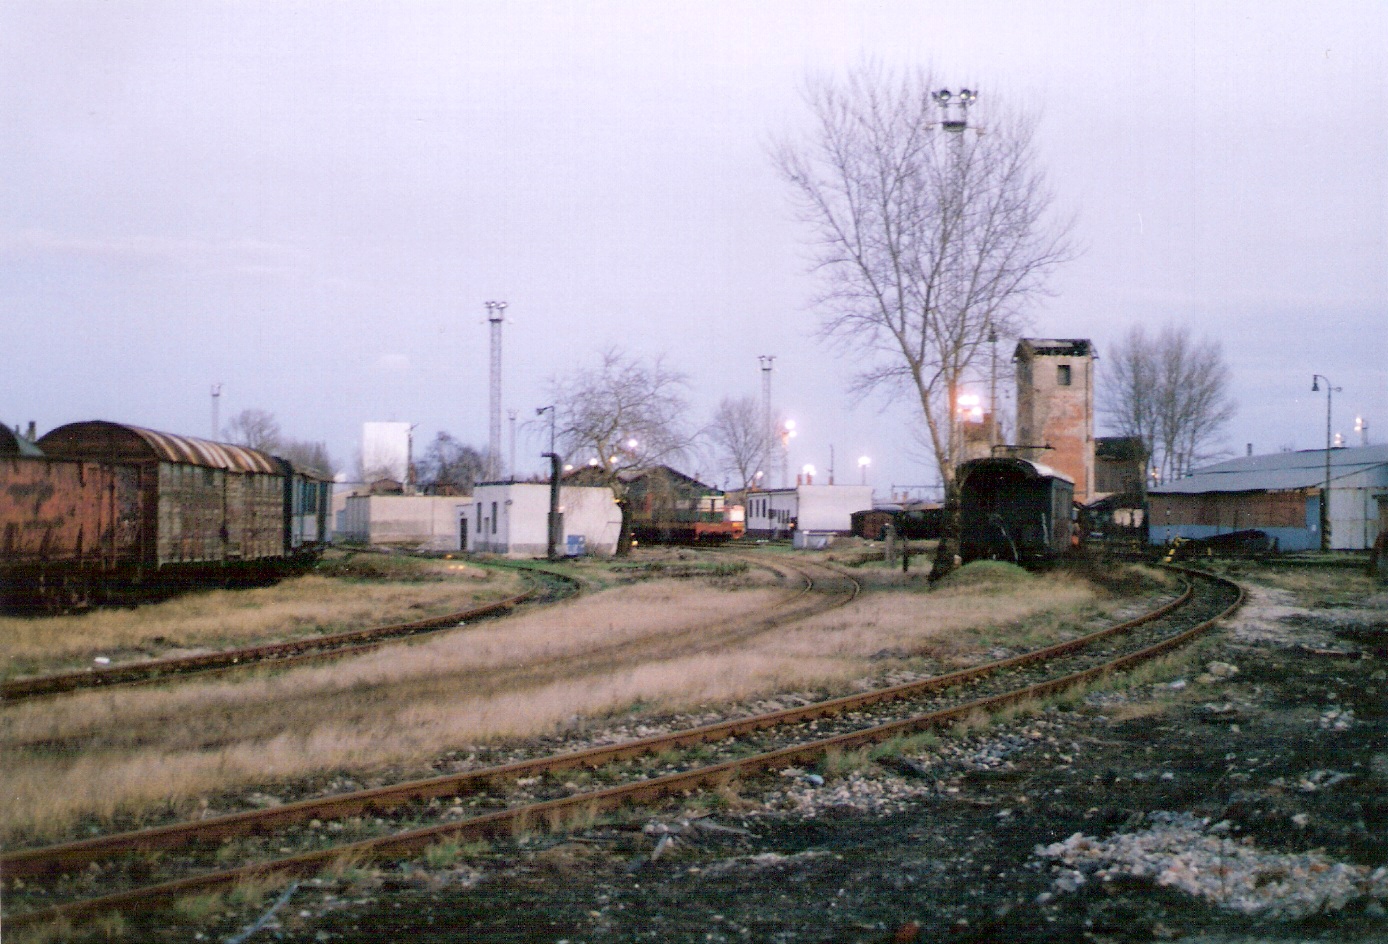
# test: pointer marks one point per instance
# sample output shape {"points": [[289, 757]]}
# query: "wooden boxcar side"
{"points": [[204, 503], [62, 513]]}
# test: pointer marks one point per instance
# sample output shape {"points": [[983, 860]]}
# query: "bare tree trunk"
{"points": [[947, 552], [624, 532]]}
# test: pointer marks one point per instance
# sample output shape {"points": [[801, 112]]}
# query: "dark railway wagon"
{"points": [[105, 506], [1013, 509]]}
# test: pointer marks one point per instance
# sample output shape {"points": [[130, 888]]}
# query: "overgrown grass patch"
{"points": [[309, 605]]}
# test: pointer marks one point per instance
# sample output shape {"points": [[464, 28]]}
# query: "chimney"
{"points": [[1250, 449], [33, 433]]}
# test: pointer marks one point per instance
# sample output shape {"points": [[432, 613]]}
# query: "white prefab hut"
{"points": [[512, 518], [805, 510]]}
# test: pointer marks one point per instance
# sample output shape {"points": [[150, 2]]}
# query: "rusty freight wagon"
{"points": [[108, 506]]}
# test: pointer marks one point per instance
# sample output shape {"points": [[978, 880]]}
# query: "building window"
{"points": [[493, 517], [1062, 375], [479, 517]]}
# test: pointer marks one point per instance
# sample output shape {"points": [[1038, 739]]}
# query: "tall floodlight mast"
{"points": [[495, 311], [954, 118]]}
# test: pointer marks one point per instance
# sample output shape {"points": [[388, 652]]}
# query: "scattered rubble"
{"points": [[1187, 853]]}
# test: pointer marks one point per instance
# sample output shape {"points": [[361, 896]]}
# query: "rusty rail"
{"points": [[278, 654], [554, 812]]}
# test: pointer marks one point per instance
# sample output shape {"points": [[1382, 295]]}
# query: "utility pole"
{"points": [[511, 468], [495, 311], [993, 389], [216, 421], [766, 361], [1325, 492]]}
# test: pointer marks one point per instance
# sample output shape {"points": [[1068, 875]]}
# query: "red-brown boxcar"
{"points": [[200, 501]]}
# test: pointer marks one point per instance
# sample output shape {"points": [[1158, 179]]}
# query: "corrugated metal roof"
{"points": [[1277, 472], [95, 438]]}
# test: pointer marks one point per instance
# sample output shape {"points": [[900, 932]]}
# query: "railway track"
{"points": [[330, 646], [522, 795]]}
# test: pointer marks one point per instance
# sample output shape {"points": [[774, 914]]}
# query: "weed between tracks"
{"points": [[128, 756], [214, 619]]}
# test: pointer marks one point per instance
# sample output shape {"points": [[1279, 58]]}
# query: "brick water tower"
{"points": [[1055, 407]]}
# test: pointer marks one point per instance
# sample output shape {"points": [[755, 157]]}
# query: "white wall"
{"points": [[811, 507], [829, 507], [514, 519], [425, 521]]}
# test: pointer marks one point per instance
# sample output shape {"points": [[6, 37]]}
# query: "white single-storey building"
{"points": [[512, 518], [420, 521], [805, 510]]}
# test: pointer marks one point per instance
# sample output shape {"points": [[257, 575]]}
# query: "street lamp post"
{"points": [[1325, 492], [787, 434], [552, 540]]}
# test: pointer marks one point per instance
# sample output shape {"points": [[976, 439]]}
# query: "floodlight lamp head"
{"points": [[943, 96], [1315, 385], [967, 95]]}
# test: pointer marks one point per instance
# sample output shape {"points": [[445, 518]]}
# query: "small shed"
{"points": [[512, 518], [775, 513]]}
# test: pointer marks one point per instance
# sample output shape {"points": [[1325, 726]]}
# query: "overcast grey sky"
{"points": [[310, 202]]}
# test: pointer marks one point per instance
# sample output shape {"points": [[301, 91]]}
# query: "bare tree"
{"points": [[307, 456], [929, 239], [620, 416], [255, 428], [450, 464], [1171, 392], [259, 429], [738, 437]]}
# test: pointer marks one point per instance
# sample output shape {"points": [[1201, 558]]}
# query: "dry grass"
{"points": [[302, 606], [666, 645]]}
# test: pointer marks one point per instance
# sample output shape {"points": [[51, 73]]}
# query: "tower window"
{"points": [[1062, 375]]}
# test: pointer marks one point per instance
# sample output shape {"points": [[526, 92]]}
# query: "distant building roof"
{"points": [[1065, 347], [1279, 471], [13, 444]]}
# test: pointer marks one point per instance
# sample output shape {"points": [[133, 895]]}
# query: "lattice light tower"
{"points": [[495, 312]]}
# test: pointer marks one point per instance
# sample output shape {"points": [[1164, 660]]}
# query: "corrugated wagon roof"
{"points": [[99, 439], [1030, 469], [1277, 472]]}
